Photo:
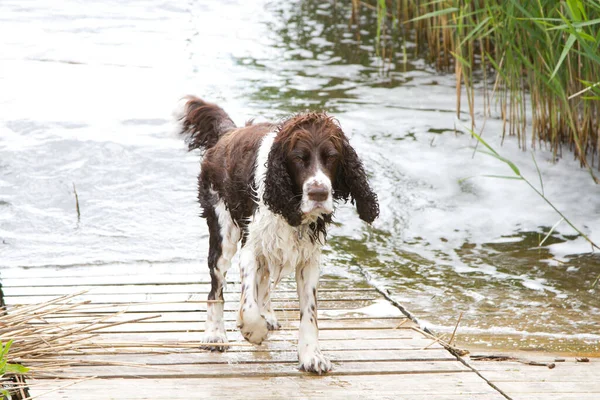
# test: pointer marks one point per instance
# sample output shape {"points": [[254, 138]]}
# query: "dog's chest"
{"points": [[282, 246]]}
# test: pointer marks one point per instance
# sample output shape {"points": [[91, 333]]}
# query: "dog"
{"points": [[272, 187]]}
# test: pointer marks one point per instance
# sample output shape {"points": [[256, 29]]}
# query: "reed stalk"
{"points": [[36, 342], [541, 55]]}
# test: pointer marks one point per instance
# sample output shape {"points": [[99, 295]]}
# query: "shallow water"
{"points": [[86, 97]]}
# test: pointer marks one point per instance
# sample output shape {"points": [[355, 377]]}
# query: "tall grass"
{"points": [[11, 386], [539, 62]]}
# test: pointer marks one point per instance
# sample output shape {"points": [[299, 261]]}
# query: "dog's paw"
{"points": [[313, 361], [253, 326], [211, 340], [272, 323]]}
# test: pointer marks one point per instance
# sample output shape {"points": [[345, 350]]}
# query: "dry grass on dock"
{"points": [[49, 338]]}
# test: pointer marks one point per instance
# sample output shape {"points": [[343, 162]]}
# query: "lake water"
{"points": [[87, 91]]}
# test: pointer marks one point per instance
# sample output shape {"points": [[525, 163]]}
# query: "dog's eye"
{"points": [[302, 158], [330, 157]]}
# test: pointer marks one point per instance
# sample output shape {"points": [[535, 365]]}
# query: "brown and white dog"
{"points": [[273, 187]]}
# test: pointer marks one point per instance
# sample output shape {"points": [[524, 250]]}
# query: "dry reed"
{"points": [[49, 346], [543, 53]]}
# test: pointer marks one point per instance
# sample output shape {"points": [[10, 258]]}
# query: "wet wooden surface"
{"points": [[567, 380], [376, 352]]}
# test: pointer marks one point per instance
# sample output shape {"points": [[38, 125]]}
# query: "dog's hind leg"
{"points": [[224, 235]]}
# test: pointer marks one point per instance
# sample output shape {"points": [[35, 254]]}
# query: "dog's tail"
{"points": [[202, 123]]}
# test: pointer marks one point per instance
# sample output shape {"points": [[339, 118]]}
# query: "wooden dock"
{"points": [[376, 351]]}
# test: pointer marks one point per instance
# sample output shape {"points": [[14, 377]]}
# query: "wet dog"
{"points": [[272, 187]]}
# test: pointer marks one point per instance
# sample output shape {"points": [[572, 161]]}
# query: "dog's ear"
{"points": [[351, 182], [279, 193]]}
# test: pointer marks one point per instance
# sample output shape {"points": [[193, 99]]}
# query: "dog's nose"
{"points": [[318, 193]]}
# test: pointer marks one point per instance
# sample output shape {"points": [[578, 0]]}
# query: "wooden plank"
{"points": [[334, 309], [197, 305], [125, 298], [508, 371], [107, 280], [400, 386], [198, 356], [154, 279], [188, 330], [335, 395], [200, 316], [561, 396], [551, 388], [350, 323], [288, 330], [191, 288], [188, 371], [283, 345], [284, 335], [129, 268], [194, 271], [293, 322]]}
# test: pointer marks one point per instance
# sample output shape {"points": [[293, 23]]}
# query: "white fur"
{"points": [[214, 331], [230, 233], [309, 351], [261, 166], [273, 250], [178, 113], [308, 206], [250, 320], [269, 235]]}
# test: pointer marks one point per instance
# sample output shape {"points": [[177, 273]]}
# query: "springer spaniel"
{"points": [[273, 187]]}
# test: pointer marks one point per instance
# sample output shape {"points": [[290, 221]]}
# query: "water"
{"points": [[87, 92]]}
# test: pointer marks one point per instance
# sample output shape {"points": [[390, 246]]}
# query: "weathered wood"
{"points": [[288, 329], [566, 380], [439, 386], [198, 356], [221, 371], [509, 371], [190, 331], [561, 396], [289, 322], [374, 348], [189, 288], [115, 299], [191, 267], [282, 345], [325, 324], [157, 307], [193, 271], [152, 279], [554, 388], [199, 316]]}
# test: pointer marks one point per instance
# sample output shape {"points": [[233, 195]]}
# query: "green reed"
{"points": [[7, 370], [538, 61]]}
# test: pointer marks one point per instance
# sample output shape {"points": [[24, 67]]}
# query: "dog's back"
{"points": [[229, 161]]}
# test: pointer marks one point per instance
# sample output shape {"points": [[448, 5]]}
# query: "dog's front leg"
{"points": [[264, 297], [250, 320], [309, 353]]}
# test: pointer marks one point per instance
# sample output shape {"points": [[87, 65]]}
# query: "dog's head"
{"points": [[311, 165]]}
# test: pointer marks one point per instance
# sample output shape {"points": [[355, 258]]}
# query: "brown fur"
{"points": [[304, 144], [320, 138], [204, 123], [228, 168]]}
